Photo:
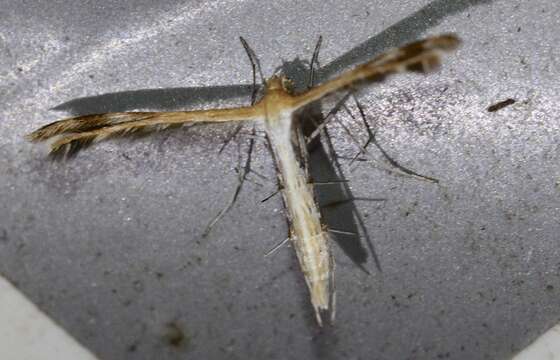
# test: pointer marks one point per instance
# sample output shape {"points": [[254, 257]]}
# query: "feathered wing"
{"points": [[75, 133], [420, 56]]}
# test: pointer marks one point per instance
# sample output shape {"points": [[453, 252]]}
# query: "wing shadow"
{"points": [[406, 30]]}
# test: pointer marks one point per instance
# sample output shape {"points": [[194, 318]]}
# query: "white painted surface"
{"points": [[546, 347], [27, 334]]}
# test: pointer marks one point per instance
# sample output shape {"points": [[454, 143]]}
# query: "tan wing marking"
{"points": [[422, 56]]}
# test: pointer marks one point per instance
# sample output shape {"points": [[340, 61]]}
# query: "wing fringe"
{"points": [[86, 123], [69, 144]]}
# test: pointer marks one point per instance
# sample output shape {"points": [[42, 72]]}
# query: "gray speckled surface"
{"points": [[109, 244]]}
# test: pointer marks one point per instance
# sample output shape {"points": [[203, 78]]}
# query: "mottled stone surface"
{"points": [[110, 243]]}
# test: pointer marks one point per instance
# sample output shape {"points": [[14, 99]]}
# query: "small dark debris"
{"points": [[396, 303], [138, 286], [91, 76], [549, 287], [519, 29], [159, 275], [132, 348], [20, 69], [4, 236], [174, 335], [500, 105]]}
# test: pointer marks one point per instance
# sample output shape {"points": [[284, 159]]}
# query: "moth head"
{"points": [[287, 84], [280, 83]]}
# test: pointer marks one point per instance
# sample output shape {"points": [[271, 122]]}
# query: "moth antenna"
{"points": [[255, 65], [314, 60]]}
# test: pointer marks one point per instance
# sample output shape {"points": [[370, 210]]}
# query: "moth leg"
{"points": [[276, 247], [330, 115], [373, 140], [242, 175], [243, 171]]}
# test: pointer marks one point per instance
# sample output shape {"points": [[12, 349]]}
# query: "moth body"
{"points": [[307, 234]]}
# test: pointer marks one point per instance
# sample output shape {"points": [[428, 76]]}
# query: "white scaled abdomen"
{"points": [[308, 237]]}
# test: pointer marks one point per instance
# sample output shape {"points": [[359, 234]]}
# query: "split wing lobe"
{"points": [[420, 56], [76, 133]]}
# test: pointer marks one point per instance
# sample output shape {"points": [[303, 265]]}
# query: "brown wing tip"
{"points": [[432, 48], [41, 134], [446, 42], [79, 124], [32, 137], [48, 131]]}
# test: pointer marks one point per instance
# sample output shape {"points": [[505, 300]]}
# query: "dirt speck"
{"points": [[4, 236], [175, 336], [138, 286], [132, 347], [500, 105]]}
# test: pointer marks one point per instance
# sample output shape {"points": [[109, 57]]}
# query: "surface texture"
{"points": [[110, 243]]}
